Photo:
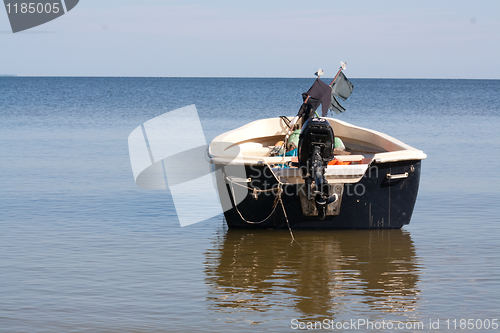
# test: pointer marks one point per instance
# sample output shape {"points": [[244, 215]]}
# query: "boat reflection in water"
{"points": [[330, 274]]}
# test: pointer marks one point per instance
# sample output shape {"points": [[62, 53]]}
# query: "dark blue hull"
{"points": [[375, 202]]}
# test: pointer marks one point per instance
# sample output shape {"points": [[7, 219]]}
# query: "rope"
{"points": [[254, 189], [287, 223], [247, 187], [277, 200], [279, 195]]}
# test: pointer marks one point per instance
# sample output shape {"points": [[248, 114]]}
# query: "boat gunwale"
{"points": [[399, 150]]}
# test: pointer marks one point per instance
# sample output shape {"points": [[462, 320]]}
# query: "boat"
{"points": [[369, 180]]}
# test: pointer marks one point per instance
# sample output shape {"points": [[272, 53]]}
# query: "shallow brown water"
{"points": [[326, 274]]}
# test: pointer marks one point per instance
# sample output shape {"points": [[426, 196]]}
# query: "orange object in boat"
{"points": [[338, 162]]}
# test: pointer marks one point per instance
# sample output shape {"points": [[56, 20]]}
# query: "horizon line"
{"points": [[237, 77]]}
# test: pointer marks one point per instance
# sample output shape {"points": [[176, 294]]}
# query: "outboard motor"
{"points": [[315, 150]]}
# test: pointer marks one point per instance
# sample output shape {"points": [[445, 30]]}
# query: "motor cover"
{"points": [[316, 132]]}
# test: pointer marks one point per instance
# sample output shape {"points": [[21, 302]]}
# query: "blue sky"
{"points": [[378, 39]]}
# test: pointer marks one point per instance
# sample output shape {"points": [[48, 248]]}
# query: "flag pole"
{"points": [[296, 118], [318, 73], [343, 65]]}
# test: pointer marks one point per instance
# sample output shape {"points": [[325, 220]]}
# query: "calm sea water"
{"points": [[83, 249]]}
